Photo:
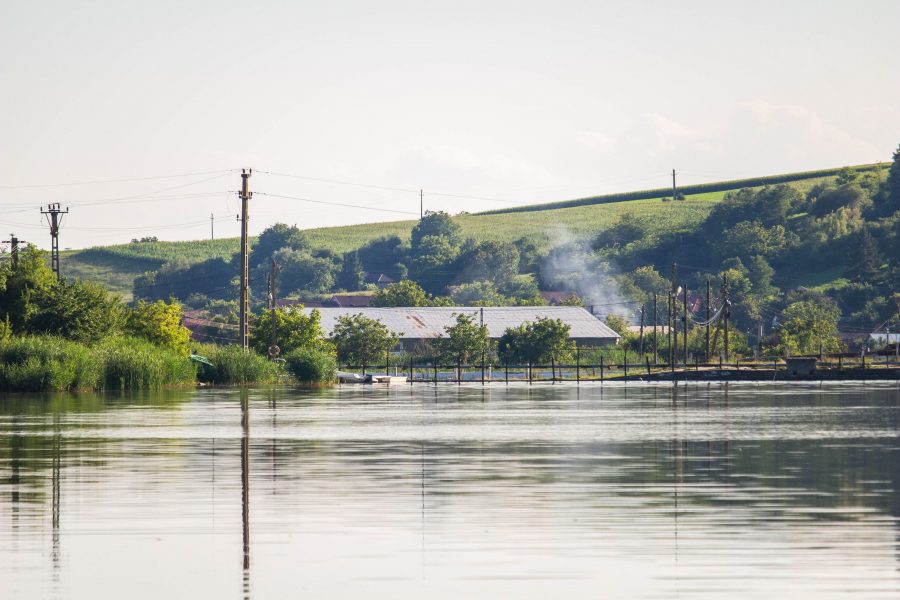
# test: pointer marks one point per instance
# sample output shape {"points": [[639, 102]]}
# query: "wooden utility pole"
{"points": [[54, 218], [727, 310], [684, 330], [212, 231], [655, 333], [245, 267], [421, 204], [13, 242], [707, 318], [669, 325], [674, 189], [641, 342], [673, 305], [274, 350]]}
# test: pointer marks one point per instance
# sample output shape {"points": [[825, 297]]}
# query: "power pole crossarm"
{"points": [[54, 215]]}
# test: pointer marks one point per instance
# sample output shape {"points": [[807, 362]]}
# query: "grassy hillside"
{"points": [[116, 266]]}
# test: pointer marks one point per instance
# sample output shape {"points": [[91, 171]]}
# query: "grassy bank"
{"points": [[49, 363]]}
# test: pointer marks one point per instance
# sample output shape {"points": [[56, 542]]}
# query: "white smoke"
{"points": [[572, 266]]}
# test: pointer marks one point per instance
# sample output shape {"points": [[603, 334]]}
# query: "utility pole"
{"points": [[245, 268], [684, 330], [212, 231], [674, 189], [641, 342], [655, 333], [727, 310], [673, 305], [13, 242], [274, 350], [707, 319], [53, 215], [421, 204]]}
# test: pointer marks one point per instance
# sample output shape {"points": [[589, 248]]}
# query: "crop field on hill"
{"points": [[117, 266]]}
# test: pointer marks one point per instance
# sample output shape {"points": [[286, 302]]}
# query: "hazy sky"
{"points": [[505, 102]]}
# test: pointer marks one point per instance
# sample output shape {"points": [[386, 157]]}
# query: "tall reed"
{"points": [[136, 364], [231, 365], [47, 363]]}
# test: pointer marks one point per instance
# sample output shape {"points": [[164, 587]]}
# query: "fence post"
{"points": [[506, 371], [552, 370], [625, 362], [648, 365], [840, 362], [410, 370], [482, 367], [601, 369], [387, 362], [529, 372], [458, 372], [577, 365]]}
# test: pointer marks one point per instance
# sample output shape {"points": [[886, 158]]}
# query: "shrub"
{"points": [[231, 365], [309, 365]]}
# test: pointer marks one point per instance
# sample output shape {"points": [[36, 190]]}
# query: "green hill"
{"points": [[117, 266]]}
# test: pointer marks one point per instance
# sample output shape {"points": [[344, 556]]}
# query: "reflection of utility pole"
{"points": [[245, 269], [245, 487], [54, 218]]}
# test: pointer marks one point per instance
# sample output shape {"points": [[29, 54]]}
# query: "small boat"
{"points": [[345, 377]]}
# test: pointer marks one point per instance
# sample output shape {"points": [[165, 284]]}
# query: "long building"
{"points": [[418, 324]]}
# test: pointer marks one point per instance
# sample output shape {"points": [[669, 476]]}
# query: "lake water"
{"points": [[637, 491]]}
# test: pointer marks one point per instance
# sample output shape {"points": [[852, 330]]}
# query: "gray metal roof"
{"points": [[429, 322]]}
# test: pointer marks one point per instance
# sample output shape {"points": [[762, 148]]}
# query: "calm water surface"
{"points": [[754, 491]]}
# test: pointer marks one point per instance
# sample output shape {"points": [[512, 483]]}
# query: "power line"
{"points": [[105, 181], [360, 206]]}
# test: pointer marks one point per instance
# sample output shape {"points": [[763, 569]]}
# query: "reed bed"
{"points": [[233, 366], [135, 364]]}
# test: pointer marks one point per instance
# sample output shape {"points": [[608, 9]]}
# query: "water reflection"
{"points": [[448, 491], [245, 487]]}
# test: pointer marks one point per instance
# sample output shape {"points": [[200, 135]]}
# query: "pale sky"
{"points": [[505, 102]]}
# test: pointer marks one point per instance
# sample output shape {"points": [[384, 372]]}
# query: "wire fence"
{"points": [[833, 366]]}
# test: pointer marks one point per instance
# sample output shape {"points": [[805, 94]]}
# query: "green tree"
{"points": [[433, 262], [434, 224], [497, 262], [402, 293], [294, 329], [643, 282], [479, 293], [892, 186], [351, 276], [541, 341], [160, 323], [618, 324], [809, 325], [863, 260], [275, 238], [83, 312], [465, 340], [573, 300], [760, 274], [24, 285], [362, 341]]}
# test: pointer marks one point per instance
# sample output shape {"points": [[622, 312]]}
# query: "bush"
{"points": [[309, 365], [231, 365]]}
